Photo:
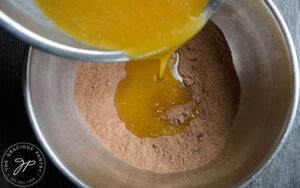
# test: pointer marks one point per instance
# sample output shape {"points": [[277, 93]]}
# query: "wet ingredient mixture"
{"points": [[209, 80]]}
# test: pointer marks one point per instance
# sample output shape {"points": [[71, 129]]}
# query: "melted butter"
{"points": [[142, 98], [139, 28]]}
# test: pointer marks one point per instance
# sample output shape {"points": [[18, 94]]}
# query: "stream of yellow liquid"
{"points": [[150, 30]]}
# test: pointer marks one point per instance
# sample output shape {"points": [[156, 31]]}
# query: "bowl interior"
{"points": [[264, 67]]}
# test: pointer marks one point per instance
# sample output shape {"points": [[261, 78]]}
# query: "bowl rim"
{"points": [[268, 159], [30, 37], [294, 102]]}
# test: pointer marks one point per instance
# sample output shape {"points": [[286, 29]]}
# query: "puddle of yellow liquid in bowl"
{"points": [[142, 98]]}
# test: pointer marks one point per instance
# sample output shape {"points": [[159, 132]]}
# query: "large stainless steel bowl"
{"points": [[25, 20], [266, 64]]}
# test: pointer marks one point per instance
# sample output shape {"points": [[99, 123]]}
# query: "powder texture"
{"points": [[180, 113], [206, 67]]}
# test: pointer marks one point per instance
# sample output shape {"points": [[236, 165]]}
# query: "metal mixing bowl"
{"points": [[25, 20], [266, 64]]}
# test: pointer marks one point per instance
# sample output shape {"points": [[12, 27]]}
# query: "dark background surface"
{"points": [[284, 171], [15, 126]]}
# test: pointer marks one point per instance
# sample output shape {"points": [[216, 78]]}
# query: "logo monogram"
{"points": [[23, 164]]}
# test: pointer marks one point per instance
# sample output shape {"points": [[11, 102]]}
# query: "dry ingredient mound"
{"points": [[206, 67]]}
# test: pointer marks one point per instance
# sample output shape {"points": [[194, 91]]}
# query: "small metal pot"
{"points": [[23, 19], [266, 64]]}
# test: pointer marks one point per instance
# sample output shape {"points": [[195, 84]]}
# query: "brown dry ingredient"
{"points": [[206, 67], [179, 114]]}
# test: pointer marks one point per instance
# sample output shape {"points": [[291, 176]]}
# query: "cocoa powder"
{"points": [[206, 67]]}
